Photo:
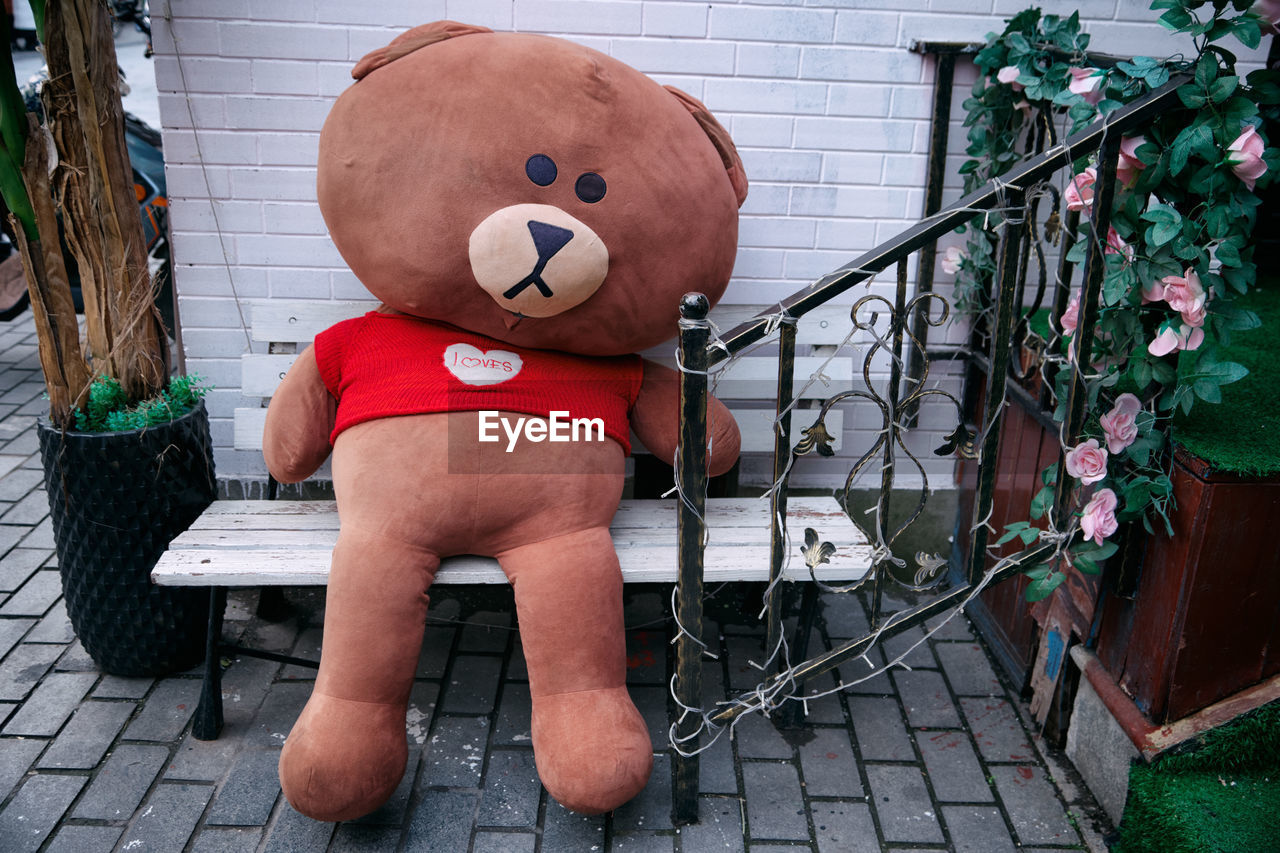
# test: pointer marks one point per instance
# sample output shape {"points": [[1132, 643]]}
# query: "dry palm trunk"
{"points": [[94, 185]]}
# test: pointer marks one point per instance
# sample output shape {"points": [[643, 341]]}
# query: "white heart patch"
{"points": [[474, 367]]}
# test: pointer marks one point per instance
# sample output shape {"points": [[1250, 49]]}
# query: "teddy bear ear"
{"points": [[412, 40], [719, 138]]}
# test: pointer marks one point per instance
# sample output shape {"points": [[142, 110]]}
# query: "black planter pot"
{"points": [[117, 499]]}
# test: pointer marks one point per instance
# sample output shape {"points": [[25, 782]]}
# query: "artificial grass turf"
{"points": [[1241, 435], [1222, 797]]}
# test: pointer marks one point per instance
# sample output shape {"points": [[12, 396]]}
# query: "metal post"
{"points": [[208, 717], [691, 469], [998, 361], [896, 322], [778, 499]]}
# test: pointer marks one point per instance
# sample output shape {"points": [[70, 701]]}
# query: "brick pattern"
{"points": [[828, 106], [938, 757]]}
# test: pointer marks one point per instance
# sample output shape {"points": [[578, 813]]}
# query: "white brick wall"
{"points": [[826, 102]]}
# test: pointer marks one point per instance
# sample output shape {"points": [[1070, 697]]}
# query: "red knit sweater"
{"points": [[381, 365]]}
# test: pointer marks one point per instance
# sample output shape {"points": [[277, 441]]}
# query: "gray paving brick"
{"points": [[437, 647], [1038, 815], [295, 833], [866, 675], [454, 754], [844, 828], [514, 708], [926, 699], [421, 710], [643, 842], [472, 686], [12, 534], [652, 704], [36, 596], [977, 829], [954, 772], [24, 667], [122, 782], [844, 616], [166, 711], [11, 632], [716, 771], [34, 812], [76, 659], [511, 789], [88, 735], [775, 808], [168, 818], [743, 654], [277, 714], [879, 730], [82, 839], [968, 669], [249, 794], [565, 830], [245, 684], [996, 729], [240, 840], [307, 647], [486, 631], [651, 808], [504, 842], [118, 687], [517, 666], [40, 537], [823, 709], [442, 821], [205, 760], [719, 826], [55, 627], [352, 837], [16, 757], [829, 766], [918, 657], [20, 564], [955, 628], [30, 509], [49, 705], [759, 738], [902, 803]]}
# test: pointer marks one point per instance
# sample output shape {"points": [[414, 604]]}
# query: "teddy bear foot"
{"points": [[343, 758], [592, 748]]}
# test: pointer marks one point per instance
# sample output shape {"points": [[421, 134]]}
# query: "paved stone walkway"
{"points": [[938, 757]]}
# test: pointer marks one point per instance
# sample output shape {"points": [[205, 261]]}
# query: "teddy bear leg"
{"points": [[590, 744], [347, 752]]}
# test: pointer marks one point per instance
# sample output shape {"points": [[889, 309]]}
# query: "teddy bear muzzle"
{"points": [[536, 260]]}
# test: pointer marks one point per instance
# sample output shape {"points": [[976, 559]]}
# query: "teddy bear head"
{"points": [[529, 189]]}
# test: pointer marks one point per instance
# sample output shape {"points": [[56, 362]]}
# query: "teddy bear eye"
{"points": [[590, 187], [541, 169]]}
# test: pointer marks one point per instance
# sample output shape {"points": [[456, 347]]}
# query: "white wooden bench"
{"points": [[275, 543]]}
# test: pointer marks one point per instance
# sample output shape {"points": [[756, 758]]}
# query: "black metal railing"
{"points": [[700, 354]]}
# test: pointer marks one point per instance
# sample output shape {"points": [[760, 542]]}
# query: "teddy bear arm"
{"points": [[295, 441], [656, 420]]}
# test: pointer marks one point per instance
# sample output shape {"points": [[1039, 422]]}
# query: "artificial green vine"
{"points": [[1177, 255]]}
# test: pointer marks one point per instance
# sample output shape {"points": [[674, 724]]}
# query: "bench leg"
{"points": [[208, 718]]}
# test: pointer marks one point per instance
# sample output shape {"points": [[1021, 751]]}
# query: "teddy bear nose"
{"points": [[537, 259]]}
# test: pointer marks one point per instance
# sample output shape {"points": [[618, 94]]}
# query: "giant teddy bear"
{"points": [[529, 212]]}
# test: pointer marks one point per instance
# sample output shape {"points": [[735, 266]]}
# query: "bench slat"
{"points": [[295, 550]]}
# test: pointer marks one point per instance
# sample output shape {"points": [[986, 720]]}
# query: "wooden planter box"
{"points": [[1205, 621]]}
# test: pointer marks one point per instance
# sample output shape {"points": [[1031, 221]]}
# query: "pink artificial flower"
{"points": [[1098, 520], [1246, 157], [1087, 82], [1128, 167], [1087, 462], [1269, 12], [1079, 194], [951, 259], [1117, 246], [1009, 74], [1152, 292], [1185, 338], [1118, 425], [1071, 315], [1186, 295]]}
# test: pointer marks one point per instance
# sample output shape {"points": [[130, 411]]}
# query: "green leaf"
{"points": [[1042, 502], [1017, 528], [1248, 31], [1042, 588], [1176, 19], [1227, 254], [1193, 98], [1223, 88]]}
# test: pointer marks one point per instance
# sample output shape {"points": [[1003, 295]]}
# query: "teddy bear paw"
{"points": [[592, 748]]}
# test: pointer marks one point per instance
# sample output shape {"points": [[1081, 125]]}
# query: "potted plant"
{"points": [[126, 451]]}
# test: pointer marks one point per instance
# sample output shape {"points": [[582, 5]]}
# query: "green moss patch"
{"points": [[1241, 435]]}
